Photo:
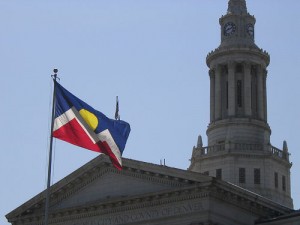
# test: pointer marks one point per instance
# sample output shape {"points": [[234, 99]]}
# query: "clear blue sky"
{"points": [[151, 53]]}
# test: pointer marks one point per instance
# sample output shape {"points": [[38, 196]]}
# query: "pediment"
{"points": [[98, 182], [110, 184]]}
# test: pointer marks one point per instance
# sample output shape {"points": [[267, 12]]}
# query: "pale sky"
{"points": [[151, 53]]}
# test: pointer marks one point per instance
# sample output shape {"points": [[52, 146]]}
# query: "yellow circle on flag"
{"points": [[89, 118]]}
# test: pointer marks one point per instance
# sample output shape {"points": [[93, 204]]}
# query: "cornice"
{"points": [[238, 122], [138, 203], [251, 196], [293, 216], [196, 191], [232, 50], [250, 204]]}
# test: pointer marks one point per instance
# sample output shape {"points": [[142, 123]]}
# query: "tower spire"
{"points": [[237, 7]]}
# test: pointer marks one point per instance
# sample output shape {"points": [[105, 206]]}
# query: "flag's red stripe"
{"points": [[73, 133], [112, 156]]}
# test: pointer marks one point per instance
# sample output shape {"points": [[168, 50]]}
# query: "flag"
{"points": [[78, 123]]}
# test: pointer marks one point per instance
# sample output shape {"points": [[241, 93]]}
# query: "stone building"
{"points": [[239, 178]]}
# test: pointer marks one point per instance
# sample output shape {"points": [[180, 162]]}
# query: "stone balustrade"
{"points": [[277, 152], [241, 147]]}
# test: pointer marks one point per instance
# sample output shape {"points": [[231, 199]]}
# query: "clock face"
{"points": [[229, 28], [250, 29]]}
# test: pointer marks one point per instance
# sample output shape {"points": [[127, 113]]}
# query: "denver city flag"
{"points": [[78, 123]]}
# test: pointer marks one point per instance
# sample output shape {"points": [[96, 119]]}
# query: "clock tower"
{"points": [[239, 150]]}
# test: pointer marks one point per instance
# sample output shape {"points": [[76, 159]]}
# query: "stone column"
{"points": [[231, 89], [212, 94], [260, 92], [218, 108], [265, 94], [247, 89]]}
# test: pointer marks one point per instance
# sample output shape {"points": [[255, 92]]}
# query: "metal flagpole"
{"points": [[54, 76], [117, 115]]}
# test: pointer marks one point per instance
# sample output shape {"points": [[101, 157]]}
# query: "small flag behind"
{"points": [[78, 123]]}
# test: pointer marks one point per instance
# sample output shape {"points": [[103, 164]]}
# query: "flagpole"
{"points": [[54, 76], [117, 115]]}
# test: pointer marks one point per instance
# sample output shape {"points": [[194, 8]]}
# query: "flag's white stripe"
{"points": [[70, 114], [105, 135], [63, 119]]}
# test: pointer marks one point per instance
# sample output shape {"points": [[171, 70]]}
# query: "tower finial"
{"points": [[285, 146], [237, 7], [199, 142]]}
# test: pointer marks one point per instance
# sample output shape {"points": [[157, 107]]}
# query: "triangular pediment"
{"points": [[99, 182], [110, 184]]}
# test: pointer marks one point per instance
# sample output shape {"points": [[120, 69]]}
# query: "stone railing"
{"points": [[277, 152], [241, 147], [211, 149], [248, 147]]}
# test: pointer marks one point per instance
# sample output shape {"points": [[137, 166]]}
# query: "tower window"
{"points": [[283, 183], [242, 175], [256, 176], [276, 179], [219, 173], [239, 93]]}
